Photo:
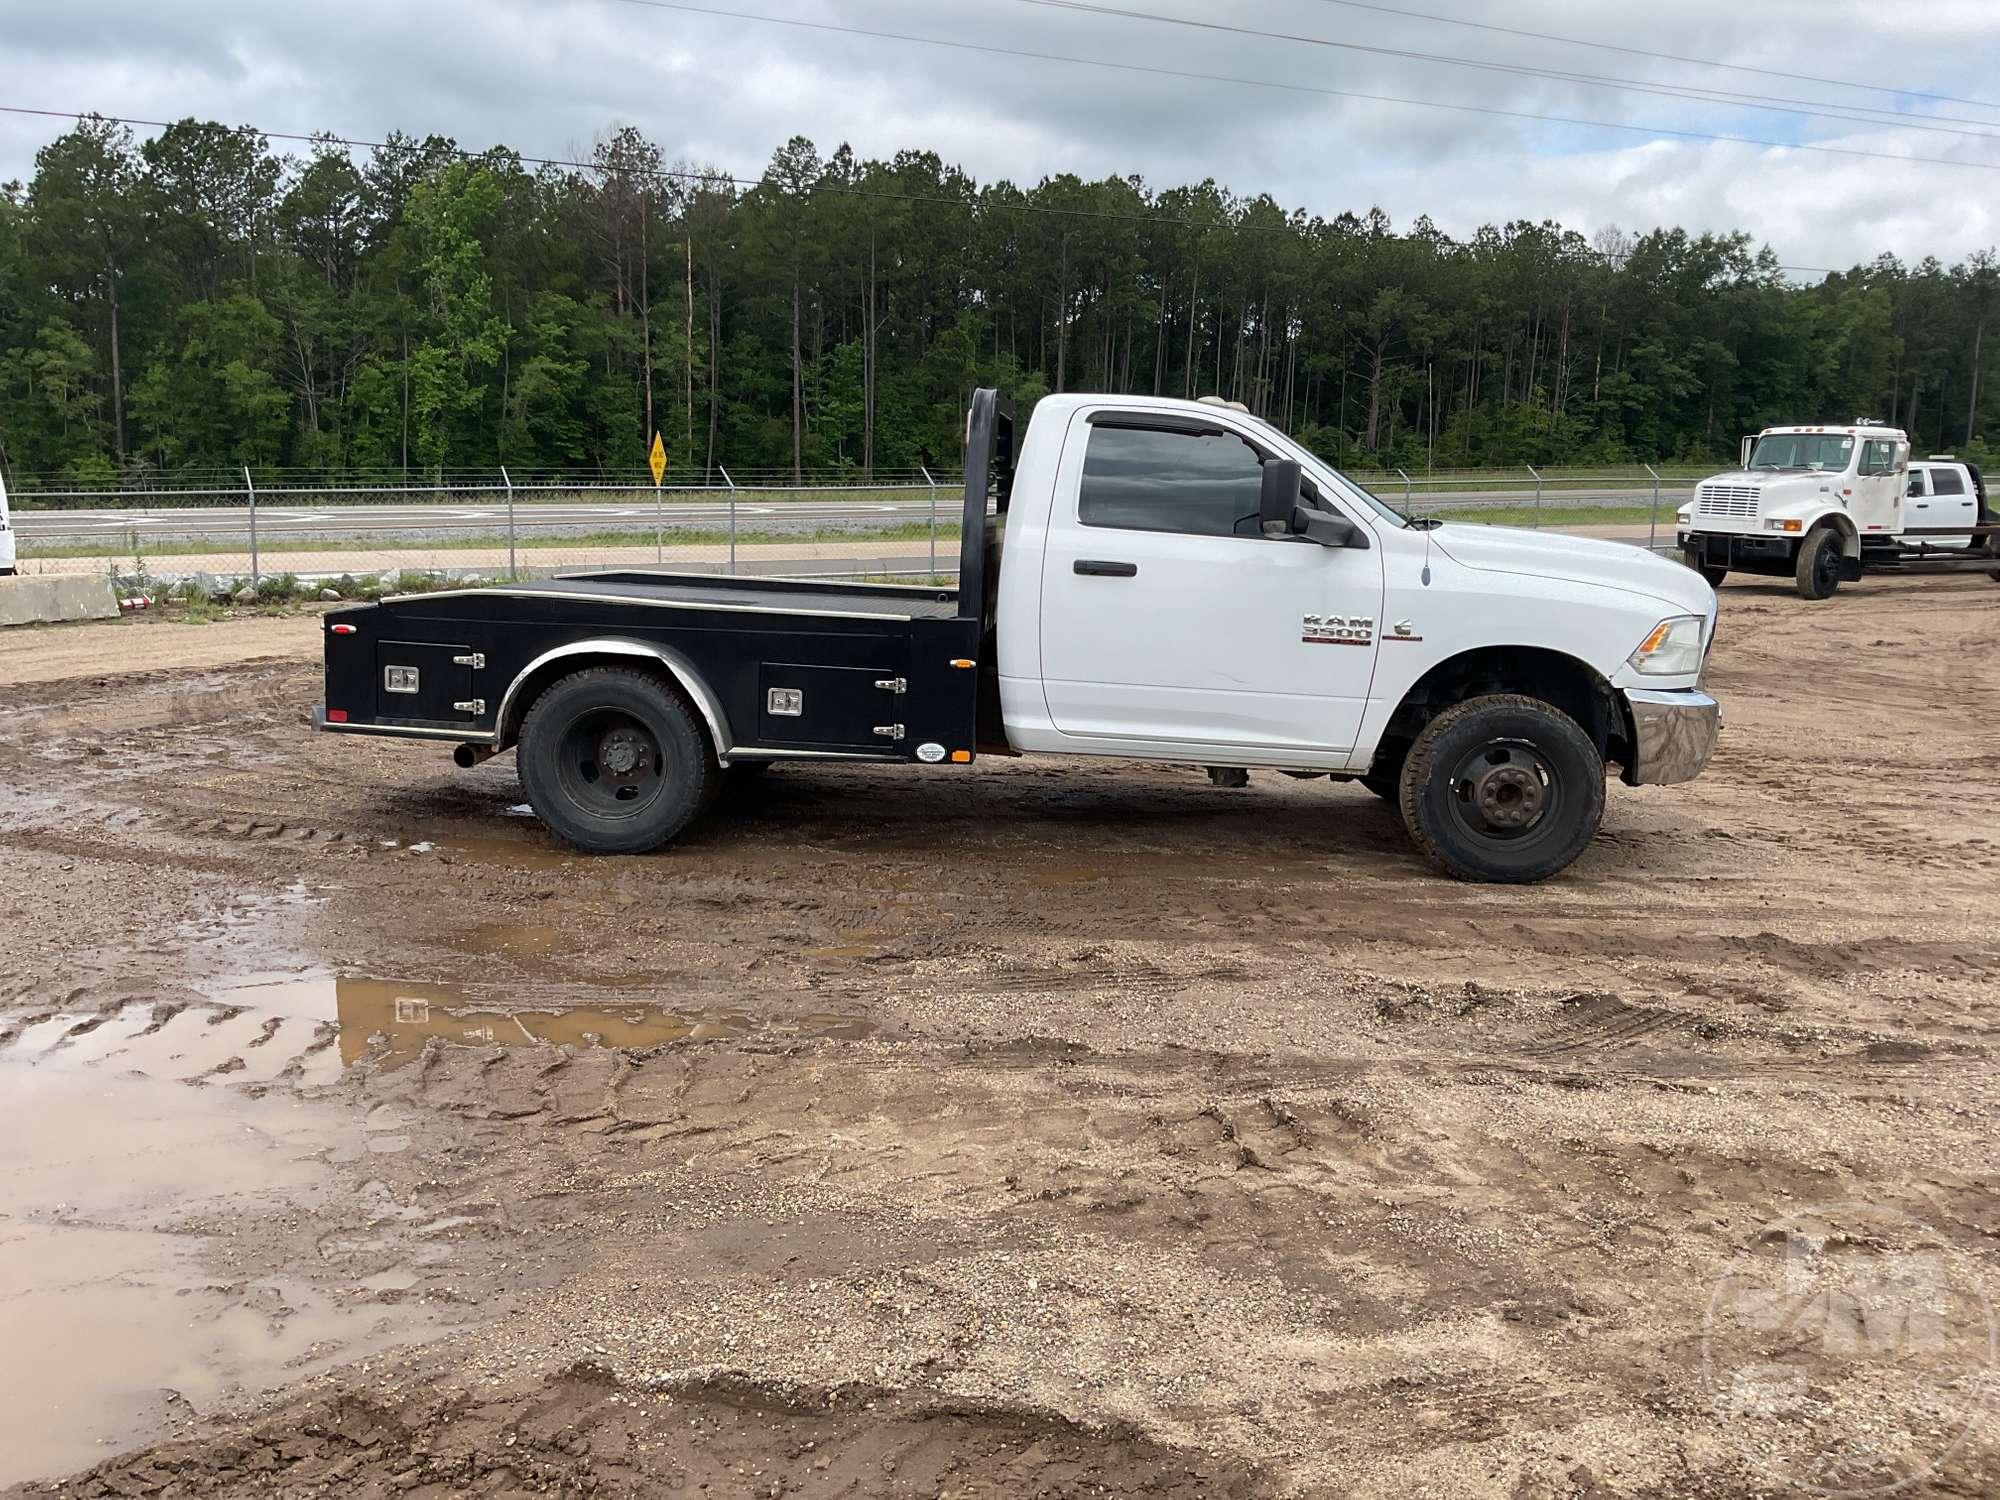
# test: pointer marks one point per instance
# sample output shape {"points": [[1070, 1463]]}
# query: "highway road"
{"points": [[408, 521]]}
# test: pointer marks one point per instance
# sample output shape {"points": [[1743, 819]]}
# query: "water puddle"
{"points": [[115, 1196], [146, 1191], [292, 1031], [389, 1021]]}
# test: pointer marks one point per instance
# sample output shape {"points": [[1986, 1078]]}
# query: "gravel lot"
{"points": [[1037, 1129]]}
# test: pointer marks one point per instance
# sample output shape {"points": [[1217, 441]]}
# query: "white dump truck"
{"points": [[1824, 505]]}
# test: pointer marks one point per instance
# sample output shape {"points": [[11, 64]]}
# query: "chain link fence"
{"points": [[253, 524], [496, 524]]}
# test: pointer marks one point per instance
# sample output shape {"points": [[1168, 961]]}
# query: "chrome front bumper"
{"points": [[1673, 734]]}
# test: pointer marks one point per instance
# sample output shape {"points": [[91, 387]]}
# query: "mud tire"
{"points": [[586, 803], [1533, 742], [1816, 572]]}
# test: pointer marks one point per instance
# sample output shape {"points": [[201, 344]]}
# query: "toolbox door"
{"points": [[423, 682], [829, 708]]}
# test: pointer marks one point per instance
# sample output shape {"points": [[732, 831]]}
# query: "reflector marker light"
{"points": [[341, 629], [336, 716]]}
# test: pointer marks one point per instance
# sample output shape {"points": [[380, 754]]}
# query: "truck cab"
{"points": [[1942, 492], [1801, 506]]}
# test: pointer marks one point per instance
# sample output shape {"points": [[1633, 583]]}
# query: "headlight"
{"points": [[1671, 649]]}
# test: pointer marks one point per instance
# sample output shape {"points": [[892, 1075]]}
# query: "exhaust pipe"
{"points": [[465, 757]]}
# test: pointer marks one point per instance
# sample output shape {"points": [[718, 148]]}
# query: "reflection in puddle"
{"points": [[291, 1031], [390, 1021]]}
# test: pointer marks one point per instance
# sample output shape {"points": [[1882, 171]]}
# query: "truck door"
{"points": [[1876, 502], [1950, 503], [1168, 616]]}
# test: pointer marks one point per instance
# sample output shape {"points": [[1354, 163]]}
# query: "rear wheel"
{"points": [[1817, 571], [614, 762], [1502, 788]]}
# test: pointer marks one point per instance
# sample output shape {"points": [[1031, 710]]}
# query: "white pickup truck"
{"points": [[1825, 505], [1142, 579]]}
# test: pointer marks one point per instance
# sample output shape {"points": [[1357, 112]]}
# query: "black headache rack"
{"points": [[777, 667]]}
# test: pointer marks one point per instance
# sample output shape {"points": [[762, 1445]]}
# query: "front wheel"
{"points": [[1817, 570], [614, 762], [1502, 788], [1712, 574]]}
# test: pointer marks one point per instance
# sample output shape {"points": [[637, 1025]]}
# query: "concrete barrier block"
{"points": [[51, 598]]}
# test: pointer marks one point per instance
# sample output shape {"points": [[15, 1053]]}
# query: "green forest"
{"points": [[196, 300]]}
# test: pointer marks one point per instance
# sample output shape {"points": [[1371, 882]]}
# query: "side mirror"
{"points": [[1328, 529], [1279, 496]]}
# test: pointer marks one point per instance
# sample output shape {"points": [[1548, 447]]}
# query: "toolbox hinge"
{"points": [[893, 684], [475, 660], [890, 731], [474, 706]]}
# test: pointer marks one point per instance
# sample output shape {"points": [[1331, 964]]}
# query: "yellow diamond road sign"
{"points": [[659, 459]]}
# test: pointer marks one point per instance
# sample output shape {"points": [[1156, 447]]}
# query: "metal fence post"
{"points": [[732, 515], [1653, 520], [933, 484], [1538, 497], [506, 479], [256, 572]]}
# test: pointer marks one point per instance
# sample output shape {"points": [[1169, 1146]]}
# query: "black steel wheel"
{"points": [[1502, 788], [1817, 570], [615, 762]]}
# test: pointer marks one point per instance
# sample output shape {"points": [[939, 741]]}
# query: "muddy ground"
{"points": [[1027, 1129]]}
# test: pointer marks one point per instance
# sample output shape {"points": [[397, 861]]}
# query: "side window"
{"points": [[1157, 479], [1946, 482], [1878, 456]]}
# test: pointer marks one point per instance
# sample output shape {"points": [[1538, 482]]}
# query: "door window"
{"points": [[1159, 479], [1946, 482], [1878, 456]]}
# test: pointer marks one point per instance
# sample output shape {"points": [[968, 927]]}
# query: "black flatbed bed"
{"points": [[776, 667]]}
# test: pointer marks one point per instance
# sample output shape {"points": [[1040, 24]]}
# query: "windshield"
{"points": [[1380, 506], [1803, 450], [1347, 486]]}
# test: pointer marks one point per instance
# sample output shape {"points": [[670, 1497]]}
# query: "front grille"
{"points": [[1738, 500]]}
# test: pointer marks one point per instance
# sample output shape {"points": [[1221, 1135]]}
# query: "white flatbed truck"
{"points": [[1139, 579]]}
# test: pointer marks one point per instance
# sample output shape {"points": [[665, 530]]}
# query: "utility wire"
{"points": [[1302, 88], [1812, 108], [1694, 62], [462, 153], [671, 173]]}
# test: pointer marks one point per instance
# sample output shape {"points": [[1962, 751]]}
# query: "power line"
{"points": [[354, 143], [1696, 62], [1938, 125], [974, 205], [1302, 88]]}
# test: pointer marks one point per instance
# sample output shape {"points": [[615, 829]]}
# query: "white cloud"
{"points": [[548, 75]]}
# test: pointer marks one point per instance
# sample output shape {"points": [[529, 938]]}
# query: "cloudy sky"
{"points": [[547, 76]]}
